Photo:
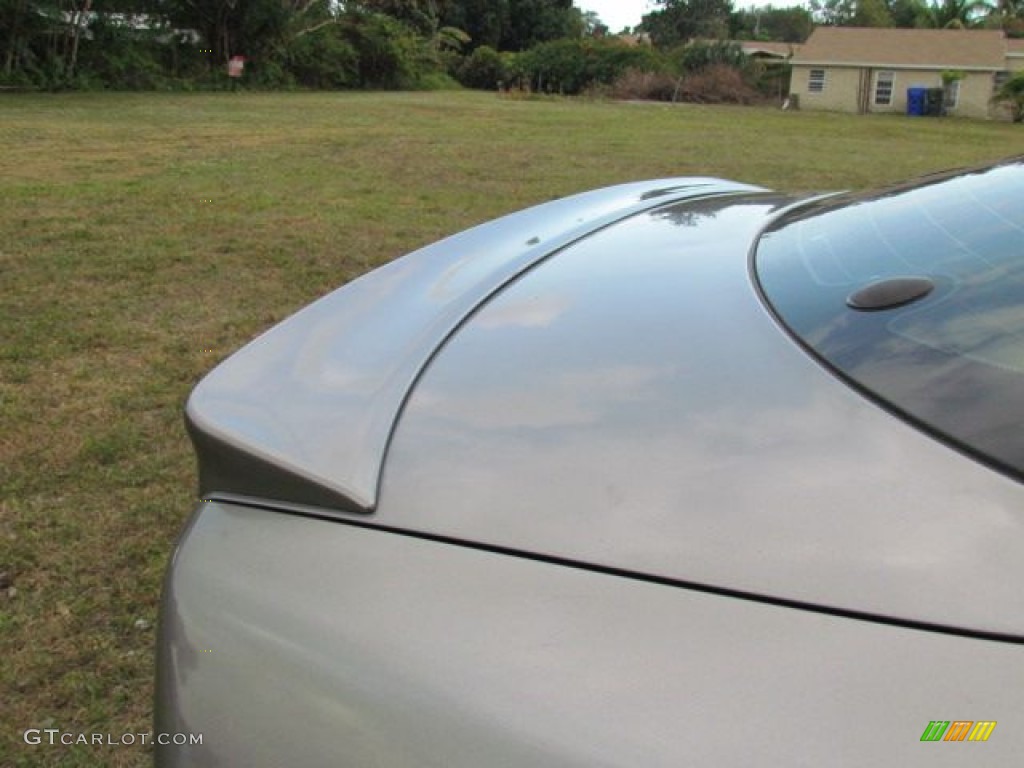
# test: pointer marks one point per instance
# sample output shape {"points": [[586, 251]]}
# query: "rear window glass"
{"points": [[917, 297]]}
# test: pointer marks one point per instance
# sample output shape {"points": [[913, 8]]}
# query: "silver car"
{"points": [[682, 472]]}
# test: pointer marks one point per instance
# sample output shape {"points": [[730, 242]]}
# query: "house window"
{"points": [[883, 88], [816, 81], [1000, 80], [951, 94]]}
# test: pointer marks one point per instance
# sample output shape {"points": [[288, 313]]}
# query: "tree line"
{"points": [[321, 43], [936, 14], [542, 44], [674, 21]]}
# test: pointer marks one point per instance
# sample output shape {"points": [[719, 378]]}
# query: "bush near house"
{"points": [[715, 72], [570, 66], [699, 56], [712, 72], [637, 85], [1011, 94], [718, 84]]}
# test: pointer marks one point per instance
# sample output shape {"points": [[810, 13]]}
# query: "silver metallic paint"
{"points": [[294, 641], [307, 408], [627, 403], [630, 402]]}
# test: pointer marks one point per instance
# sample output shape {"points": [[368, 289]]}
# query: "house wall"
{"points": [[843, 90], [976, 91], [902, 80], [838, 95]]}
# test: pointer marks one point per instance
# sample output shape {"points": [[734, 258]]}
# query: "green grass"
{"points": [[144, 237]]}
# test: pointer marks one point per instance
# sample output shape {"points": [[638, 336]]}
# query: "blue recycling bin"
{"points": [[917, 101]]}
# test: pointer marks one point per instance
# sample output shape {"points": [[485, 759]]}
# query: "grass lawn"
{"points": [[144, 237]]}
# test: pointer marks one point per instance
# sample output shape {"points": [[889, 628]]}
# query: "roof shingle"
{"points": [[910, 48]]}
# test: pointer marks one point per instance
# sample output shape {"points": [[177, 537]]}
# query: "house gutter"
{"points": [[876, 65]]}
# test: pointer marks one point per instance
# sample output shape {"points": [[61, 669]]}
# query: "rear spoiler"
{"points": [[303, 414]]}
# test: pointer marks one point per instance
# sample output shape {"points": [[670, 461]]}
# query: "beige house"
{"points": [[1015, 55], [850, 69]]}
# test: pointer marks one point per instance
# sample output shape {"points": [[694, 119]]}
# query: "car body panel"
{"points": [[304, 412], [562, 491], [296, 641], [640, 408]]}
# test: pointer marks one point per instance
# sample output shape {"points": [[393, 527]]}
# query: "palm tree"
{"points": [[956, 14], [1010, 16], [1010, 8]]}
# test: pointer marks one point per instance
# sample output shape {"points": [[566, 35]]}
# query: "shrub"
{"points": [[484, 68], [1011, 95], [324, 59], [772, 79], [269, 72], [122, 57], [437, 81], [717, 84], [637, 84], [569, 66], [697, 57], [390, 54]]}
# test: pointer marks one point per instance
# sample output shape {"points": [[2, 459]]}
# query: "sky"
{"points": [[617, 13], [627, 13]]}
